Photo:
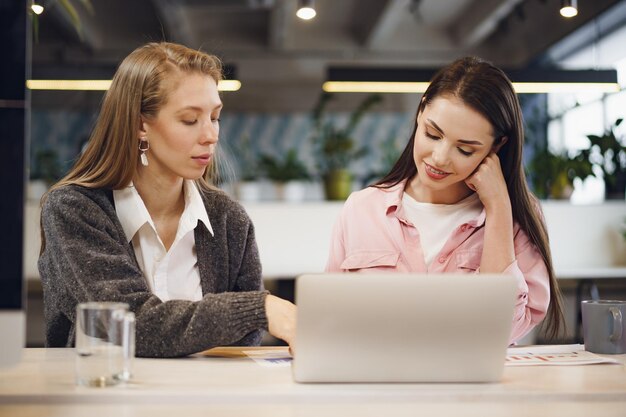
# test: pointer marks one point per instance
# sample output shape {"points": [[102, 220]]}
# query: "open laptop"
{"points": [[388, 327]]}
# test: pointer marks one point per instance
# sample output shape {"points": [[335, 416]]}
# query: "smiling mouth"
{"points": [[434, 172]]}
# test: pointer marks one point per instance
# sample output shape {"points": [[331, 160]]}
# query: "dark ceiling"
{"points": [[270, 46]]}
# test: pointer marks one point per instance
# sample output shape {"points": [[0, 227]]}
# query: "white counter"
{"points": [[585, 241], [294, 238]]}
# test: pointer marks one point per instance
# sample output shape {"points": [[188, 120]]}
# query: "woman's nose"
{"points": [[441, 155], [210, 132]]}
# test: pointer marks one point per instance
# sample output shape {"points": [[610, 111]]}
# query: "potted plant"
{"points": [[552, 175], [248, 187], [46, 171], [336, 148], [288, 174], [608, 153], [390, 151]]}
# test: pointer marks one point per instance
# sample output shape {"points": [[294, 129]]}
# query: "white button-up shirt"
{"points": [[173, 274]]}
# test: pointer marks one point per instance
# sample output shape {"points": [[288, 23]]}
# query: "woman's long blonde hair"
{"points": [[140, 88]]}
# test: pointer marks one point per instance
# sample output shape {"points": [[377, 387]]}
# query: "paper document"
{"points": [[270, 358], [553, 355]]}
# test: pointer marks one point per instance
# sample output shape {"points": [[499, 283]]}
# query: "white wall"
{"points": [[294, 238]]}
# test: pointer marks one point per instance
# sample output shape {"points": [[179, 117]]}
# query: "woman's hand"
{"points": [[489, 183], [281, 319]]}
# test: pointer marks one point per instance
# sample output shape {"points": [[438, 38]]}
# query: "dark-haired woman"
{"points": [[457, 199]]}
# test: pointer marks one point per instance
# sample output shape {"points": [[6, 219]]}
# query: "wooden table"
{"points": [[43, 384]]}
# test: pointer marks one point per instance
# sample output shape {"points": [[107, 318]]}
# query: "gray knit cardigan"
{"points": [[87, 258]]}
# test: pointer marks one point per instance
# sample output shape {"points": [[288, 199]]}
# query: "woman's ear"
{"points": [[499, 143], [142, 129]]}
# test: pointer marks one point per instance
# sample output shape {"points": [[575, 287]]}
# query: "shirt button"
{"points": [[442, 260]]}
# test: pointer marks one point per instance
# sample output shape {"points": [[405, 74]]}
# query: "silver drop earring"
{"points": [[144, 145]]}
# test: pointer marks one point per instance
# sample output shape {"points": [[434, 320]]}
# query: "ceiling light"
{"points": [[83, 85], [374, 87], [103, 85], [413, 80], [306, 9], [36, 8], [229, 85], [420, 87], [569, 8], [537, 88]]}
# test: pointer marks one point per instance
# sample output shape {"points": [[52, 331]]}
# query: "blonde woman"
{"points": [[136, 220]]}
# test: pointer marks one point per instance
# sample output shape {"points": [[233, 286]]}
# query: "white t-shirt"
{"points": [[436, 222], [173, 274]]}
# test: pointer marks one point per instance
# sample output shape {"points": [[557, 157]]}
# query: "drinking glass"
{"points": [[105, 343]]}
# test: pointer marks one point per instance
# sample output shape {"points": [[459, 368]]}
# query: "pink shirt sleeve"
{"points": [[533, 284], [337, 251]]}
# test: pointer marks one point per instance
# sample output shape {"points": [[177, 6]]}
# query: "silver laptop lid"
{"points": [[402, 327]]}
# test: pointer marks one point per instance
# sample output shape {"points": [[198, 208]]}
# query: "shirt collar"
{"points": [[393, 204], [194, 206], [393, 197], [130, 210], [133, 214]]}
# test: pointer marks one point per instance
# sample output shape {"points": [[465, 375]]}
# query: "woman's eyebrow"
{"points": [[463, 141], [198, 108], [470, 142], [436, 126]]}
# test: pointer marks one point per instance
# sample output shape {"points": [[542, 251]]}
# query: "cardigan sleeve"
{"points": [[86, 258], [248, 274]]}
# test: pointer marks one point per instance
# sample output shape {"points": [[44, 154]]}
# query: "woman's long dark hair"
{"points": [[486, 89]]}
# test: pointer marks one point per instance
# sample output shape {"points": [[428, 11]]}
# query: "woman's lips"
{"points": [[435, 173], [202, 159]]}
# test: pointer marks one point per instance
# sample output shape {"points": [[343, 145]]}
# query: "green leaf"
{"points": [[74, 16], [334, 145], [88, 5], [288, 169]]}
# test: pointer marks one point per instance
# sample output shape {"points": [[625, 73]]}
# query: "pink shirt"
{"points": [[372, 234]]}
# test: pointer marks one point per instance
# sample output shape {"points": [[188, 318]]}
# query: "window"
{"points": [[574, 116]]}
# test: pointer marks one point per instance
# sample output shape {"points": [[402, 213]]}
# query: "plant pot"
{"points": [[248, 191], [616, 190], [338, 184], [295, 191], [36, 189], [561, 189]]}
